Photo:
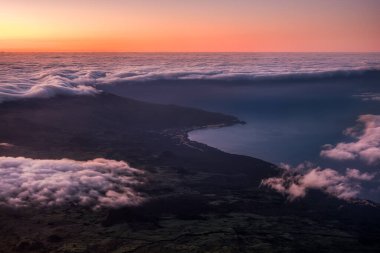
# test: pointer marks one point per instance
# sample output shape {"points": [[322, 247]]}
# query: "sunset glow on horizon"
{"points": [[192, 26]]}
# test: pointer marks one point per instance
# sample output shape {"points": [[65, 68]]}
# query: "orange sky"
{"points": [[197, 25]]}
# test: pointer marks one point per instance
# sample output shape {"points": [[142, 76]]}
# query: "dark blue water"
{"points": [[288, 121]]}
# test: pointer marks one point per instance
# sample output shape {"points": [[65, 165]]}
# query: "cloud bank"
{"points": [[295, 182], [46, 90], [366, 145], [47, 75], [96, 183]]}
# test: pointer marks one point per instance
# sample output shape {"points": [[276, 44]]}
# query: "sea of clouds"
{"points": [[46, 75], [97, 183]]}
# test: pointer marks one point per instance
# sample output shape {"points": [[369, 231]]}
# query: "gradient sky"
{"points": [[194, 25]]}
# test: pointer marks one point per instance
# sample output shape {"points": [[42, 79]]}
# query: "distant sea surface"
{"points": [[294, 104]]}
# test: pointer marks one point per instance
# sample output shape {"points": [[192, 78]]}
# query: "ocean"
{"points": [[323, 108]]}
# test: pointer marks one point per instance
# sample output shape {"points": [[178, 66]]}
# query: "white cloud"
{"points": [[96, 183], [47, 91], [6, 145], [366, 146], [295, 182]]}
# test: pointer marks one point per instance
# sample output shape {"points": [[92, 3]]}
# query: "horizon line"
{"points": [[190, 52]]}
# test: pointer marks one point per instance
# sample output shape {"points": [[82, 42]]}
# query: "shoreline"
{"points": [[184, 134]]}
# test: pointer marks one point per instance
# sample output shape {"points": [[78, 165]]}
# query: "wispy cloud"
{"points": [[6, 145], [366, 144], [96, 183], [296, 181], [369, 96]]}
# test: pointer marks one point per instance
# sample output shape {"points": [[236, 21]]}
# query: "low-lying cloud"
{"points": [[296, 181], [6, 145], [366, 144], [45, 75], [369, 96], [96, 183], [45, 90]]}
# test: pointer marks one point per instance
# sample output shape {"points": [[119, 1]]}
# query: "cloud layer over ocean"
{"points": [[46, 75], [96, 183]]}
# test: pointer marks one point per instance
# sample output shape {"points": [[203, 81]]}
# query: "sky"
{"points": [[190, 26]]}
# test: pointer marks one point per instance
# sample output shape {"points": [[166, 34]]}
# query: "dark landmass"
{"points": [[200, 199]]}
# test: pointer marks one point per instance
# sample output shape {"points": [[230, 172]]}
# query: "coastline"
{"points": [[183, 134]]}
